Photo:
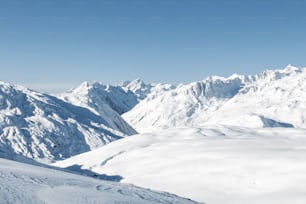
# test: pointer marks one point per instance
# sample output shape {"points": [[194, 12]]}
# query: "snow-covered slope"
{"points": [[214, 164], [45, 128], [27, 184], [274, 98]]}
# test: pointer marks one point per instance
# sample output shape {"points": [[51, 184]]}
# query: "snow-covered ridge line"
{"points": [[47, 128], [228, 101]]}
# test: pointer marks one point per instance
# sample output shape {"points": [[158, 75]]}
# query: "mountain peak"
{"points": [[236, 100], [276, 74], [215, 78], [134, 82], [134, 85], [291, 68]]}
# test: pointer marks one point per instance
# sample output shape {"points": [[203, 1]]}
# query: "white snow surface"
{"points": [[212, 164], [274, 98], [45, 128], [28, 184]]}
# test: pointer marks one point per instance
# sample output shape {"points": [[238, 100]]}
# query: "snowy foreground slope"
{"points": [[28, 184], [214, 164], [45, 128], [273, 98]]}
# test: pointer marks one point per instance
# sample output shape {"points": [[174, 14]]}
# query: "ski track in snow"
{"points": [[29, 184]]}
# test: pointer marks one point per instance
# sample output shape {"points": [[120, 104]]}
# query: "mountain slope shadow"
{"points": [[83, 115]]}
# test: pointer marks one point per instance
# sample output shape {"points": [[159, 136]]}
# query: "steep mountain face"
{"points": [[45, 128], [106, 101], [274, 98], [111, 101]]}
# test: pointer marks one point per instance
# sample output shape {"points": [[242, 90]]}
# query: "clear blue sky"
{"points": [[60, 43]]}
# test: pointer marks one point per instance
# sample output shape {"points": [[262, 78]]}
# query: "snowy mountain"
{"points": [[111, 101], [223, 148], [274, 98], [214, 164], [104, 100], [28, 184], [143, 90], [45, 128], [180, 106]]}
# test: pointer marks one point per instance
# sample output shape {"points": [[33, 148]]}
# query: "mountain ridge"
{"points": [[45, 128], [203, 102], [40, 126]]}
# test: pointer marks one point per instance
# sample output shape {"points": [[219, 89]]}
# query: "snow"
{"points": [[48, 128], [143, 90], [212, 164], [109, 101], [270, 99], [106, 101], [45, 128], [29, 184], [239, 139], [179, 106], [276, 96]]}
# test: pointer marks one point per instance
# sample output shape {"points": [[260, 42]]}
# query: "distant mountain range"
{"points": [[50, 128], [273, 98], [216, 140]]}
